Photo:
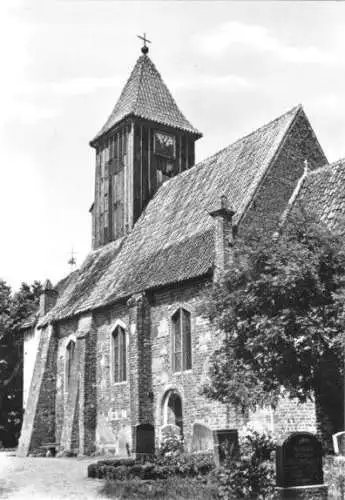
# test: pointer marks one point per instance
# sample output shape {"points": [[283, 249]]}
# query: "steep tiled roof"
{"points": [[322, 193], [145, 95], [173, 240]]}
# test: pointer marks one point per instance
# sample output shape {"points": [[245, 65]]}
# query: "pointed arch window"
{"points": [[181, 340], [70, 350], [119, 355]]}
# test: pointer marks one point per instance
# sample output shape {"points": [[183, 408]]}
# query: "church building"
{"points": [[121, 344]]}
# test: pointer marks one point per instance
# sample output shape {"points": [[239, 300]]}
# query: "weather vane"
{"points": [[72, 261], [145, 48]]}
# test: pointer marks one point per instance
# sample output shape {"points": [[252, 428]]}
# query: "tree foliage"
{"points": [[281, 310], [14, 309]]}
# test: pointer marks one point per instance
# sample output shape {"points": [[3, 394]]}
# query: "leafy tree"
{"points": [[14, 308], [281, 310]]}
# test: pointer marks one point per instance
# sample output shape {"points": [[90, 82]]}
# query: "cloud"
{"points": [[83, 85], [258, 39], [229, 82]]}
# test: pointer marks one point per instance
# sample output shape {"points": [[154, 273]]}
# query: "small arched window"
{"points": [[119, 354], [69, 359], [181, 341]]}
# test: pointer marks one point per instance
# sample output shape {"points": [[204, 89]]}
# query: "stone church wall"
{"points": [[65, 331], [196, 408], [275, 191], [113, 430], [289, 416]]}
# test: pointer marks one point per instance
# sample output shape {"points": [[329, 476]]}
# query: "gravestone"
{"points": [[339, 443], [145, 441], [124, 440], [225, 445], [202, 438], [299, 468]]}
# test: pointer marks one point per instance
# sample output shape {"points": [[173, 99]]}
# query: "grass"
{"points": [[174, 488]]}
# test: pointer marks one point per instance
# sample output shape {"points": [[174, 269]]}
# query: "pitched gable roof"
{"points": [[322, 193], [145, 95], [173, 240]]}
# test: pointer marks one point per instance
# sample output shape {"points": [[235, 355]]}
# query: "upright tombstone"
{"points": [[145, 441], [339, 443], [202, 439], [226, 445], [299, 468]]}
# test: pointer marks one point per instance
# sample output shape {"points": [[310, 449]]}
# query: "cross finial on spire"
{"points": [[144, 48]]}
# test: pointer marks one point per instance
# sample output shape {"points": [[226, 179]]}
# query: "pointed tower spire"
{"points": [[146, 140], [146, 96]]}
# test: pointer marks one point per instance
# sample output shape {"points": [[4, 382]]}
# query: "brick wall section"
{"points": [[71, 401], [75, 426], [292, 416], [76, 404], [112, 399], [274, 193], [196, 408], [140, 362], [88, 391], [39, 418], [64, 332]]}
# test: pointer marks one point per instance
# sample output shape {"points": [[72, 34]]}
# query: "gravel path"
{"points": [[46, 478]]}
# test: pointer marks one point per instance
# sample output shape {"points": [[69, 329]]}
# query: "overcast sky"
{"points": [[230, 66]]}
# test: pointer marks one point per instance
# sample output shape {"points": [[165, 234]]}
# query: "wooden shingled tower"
{"points": [[145, 140]]}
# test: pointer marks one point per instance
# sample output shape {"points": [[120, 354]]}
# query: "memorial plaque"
{"points": [[299, 461], [226, 445], [145, 441]]}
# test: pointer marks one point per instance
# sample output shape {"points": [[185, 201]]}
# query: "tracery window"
{"points": [[119, 355], [181, 341]]}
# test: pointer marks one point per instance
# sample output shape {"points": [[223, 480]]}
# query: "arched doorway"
{"points": [[172, 410]]}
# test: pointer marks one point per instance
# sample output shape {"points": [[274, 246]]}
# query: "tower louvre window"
{"points": [[181, 341]]}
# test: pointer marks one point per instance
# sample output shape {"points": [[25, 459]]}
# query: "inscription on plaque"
{"points": [[299, 461]]}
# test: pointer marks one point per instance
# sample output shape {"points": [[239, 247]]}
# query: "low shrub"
{"points": [[252, 476], [182, 465], [171, 444], [245, 479], [115, 462]]}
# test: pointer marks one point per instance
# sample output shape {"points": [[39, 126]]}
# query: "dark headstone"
{"points": [[145, 441], [226, 445], [299, 461]]}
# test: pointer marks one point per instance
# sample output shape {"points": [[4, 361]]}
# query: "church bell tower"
{"points": [[145, 140]]}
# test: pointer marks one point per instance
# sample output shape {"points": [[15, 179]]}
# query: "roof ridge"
{"points": [[142, 61], [328, 166], [206, 160]]}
